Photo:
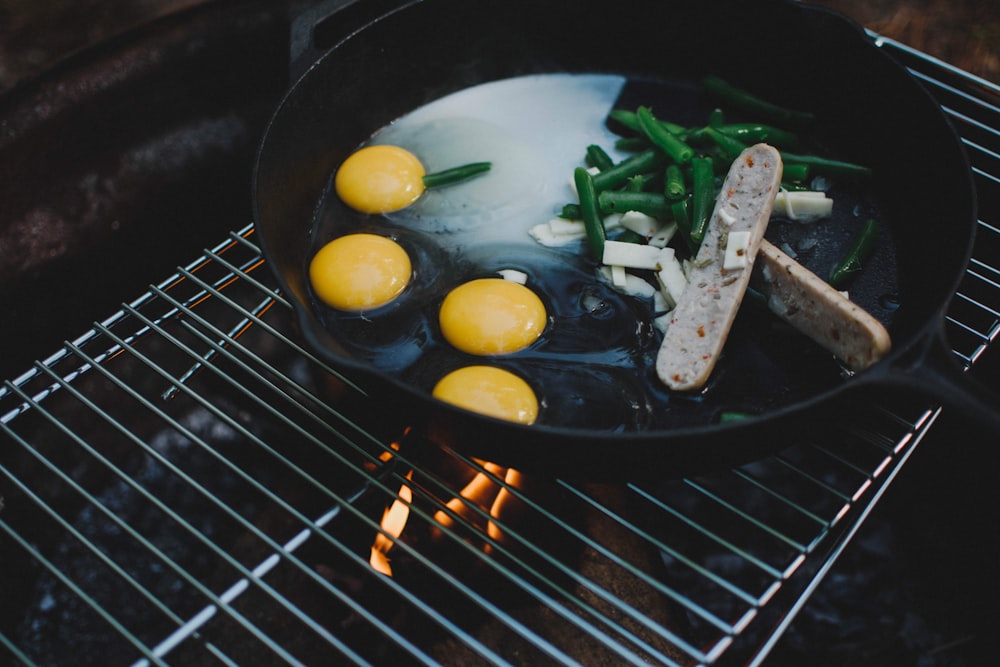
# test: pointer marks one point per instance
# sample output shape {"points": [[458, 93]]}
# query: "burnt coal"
{"points": [[59, 627]]}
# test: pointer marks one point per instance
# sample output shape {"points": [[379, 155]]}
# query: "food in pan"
{"points": [[723, 227], [386, 178], [590, 286], [380, 179], [720, 273], [489, 316], [359, 271], [490, 391], [821, 312]]}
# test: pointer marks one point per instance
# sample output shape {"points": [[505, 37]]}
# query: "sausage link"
{"points": [[813, 307], [706, 309]]}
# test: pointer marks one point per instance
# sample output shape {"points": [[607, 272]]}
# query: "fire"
{"points": [[393, 521], [482, 491], [505, 503], [479, 491]]}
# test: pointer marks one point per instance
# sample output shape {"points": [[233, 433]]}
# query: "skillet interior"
{"points": [[869, 111]]}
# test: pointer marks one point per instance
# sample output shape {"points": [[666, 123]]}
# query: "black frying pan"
{"points": [[870, 111]]}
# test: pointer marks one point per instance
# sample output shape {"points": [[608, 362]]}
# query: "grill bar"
{"points": [[219, 348], [186, 483], [165, 509]]}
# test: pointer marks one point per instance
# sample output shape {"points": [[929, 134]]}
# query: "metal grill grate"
{"points": [[184, 483]]}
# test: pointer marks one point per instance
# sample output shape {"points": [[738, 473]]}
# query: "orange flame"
{"points": [[386, 455], [504, 504], [481, 491], [393, 521]]}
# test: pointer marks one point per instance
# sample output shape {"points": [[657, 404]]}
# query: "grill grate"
{"points": [[185, 483]]}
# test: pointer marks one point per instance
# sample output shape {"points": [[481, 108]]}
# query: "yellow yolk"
{"points": [[380, 179], [489, 391], [491, 316], [359, 271]]}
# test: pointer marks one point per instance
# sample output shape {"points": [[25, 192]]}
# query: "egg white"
{"points": [[533, 129]]}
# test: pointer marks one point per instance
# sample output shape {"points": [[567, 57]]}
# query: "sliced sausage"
{"points": [[704, 314], [815, 308]]}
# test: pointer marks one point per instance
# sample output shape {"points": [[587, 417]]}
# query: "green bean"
{"points": [[455, 174], [626, 118], [856, 254], [681, 212], [571, 212], [620, 201], [597, 157], [702, 197], [592, 222], [637, 183], [794, 171], [698, 138], [827, 166], [753, 133], [631, 120], [729, 147], [674, 187], [747, 101], [648, 160], [632, 144], [716, 118], [669, 142]]}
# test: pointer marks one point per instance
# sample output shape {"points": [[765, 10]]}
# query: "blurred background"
{"points": [[919, 584], [33, 34]]}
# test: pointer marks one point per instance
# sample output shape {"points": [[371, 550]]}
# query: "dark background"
{"points": [[34, 34], [919, 585]]}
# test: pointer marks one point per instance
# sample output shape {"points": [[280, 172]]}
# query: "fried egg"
{"points": [[380, 179], [490, 391], [490, 316], [357, 272]]}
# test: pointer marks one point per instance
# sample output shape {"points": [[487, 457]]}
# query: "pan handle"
{"points": [[933, 372], [317, 26]]}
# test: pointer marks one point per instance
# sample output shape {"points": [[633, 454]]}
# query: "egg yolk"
{"points": [[359, 271], [491, 316], [380, 179], [489, 391]]}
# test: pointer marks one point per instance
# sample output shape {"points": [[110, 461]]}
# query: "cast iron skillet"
{"points": [[870, 111]]}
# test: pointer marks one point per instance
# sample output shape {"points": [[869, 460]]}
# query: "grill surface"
{"points": [[185, 484]]}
